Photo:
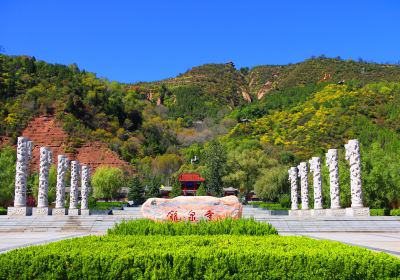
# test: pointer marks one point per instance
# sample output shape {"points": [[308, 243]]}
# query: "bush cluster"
{"points": [[203, 227], [269, 205], [197, 257], [395, 212], [379, 212], [3, 211]]}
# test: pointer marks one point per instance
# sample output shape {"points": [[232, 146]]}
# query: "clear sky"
{"points": [[132, 41]]}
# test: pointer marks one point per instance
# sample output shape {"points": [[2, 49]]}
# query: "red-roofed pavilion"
{"points": [[190, 182]]}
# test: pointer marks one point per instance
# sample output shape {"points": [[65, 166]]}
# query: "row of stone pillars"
{"points": [[357, 209], [24, 155]]}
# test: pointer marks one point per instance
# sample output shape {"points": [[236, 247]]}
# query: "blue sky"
{"points": [[132, 41]]}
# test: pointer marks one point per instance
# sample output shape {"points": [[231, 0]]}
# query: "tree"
{"points": [[201, 191], [136, 191], [7, 175], [215, 163], [272, 183], [245, 167], [176, 189], [166, 164], [153, 189], [107, 181]]}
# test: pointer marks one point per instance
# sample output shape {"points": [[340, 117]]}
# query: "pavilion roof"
{"points": [[190, 177]]}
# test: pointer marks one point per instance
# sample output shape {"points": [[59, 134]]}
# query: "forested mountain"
{"points": [[265, 119]]}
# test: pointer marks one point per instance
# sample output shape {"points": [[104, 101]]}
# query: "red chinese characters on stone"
{"points": [[192, 208], [172, 216], [192, 216], [209, 214]]}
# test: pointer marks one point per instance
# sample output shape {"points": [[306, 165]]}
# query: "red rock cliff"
{"points": [[45, 131]]}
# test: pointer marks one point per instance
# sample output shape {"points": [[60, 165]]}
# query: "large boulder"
{"points": [[192, 208]]}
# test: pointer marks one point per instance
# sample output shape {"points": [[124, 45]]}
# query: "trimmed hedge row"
{"points": [[3, 211], [268, 205], [395, 212], [203, 227], [197, 257], [384, 212]]}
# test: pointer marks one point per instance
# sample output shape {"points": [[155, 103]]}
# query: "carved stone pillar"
{"points": [[293, 187], [24, 154], [332, 163], [62, 167], [293, 192], [74, 191], [303, 171], [333, 166], [42, 208], [315, 168], [45, 162], [353, 156], [85, 189]]}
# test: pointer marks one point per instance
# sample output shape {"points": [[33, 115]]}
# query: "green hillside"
{"points": [[213, 112]]}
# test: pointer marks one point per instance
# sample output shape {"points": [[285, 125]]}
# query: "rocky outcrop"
{"points": [[246, 96], [45, 131], [264, 90]]}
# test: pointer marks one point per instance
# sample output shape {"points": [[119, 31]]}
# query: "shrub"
{"points": [[203, 227], [395, 212], [200, 257], [269, 205], [3, 211], [379, 212]]}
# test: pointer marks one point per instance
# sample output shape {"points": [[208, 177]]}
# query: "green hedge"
{"points": [[100, 205], [268, 205], [3, 211], [379, 212], [203, 227], [395, 212], [197, 257]]}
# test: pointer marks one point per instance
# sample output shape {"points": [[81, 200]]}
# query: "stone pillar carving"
{"points": [[73, 195], [332, 163], [45, 162], [303, 184], [85, 189], [353, 156], [21, 171], [62, 167], [24, 155], [315, 168], [293, 187]]}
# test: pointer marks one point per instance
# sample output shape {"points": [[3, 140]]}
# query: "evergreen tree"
{"points": [[153, 190], [176, 189], [201, 191], [136, 191], [215, 159]]}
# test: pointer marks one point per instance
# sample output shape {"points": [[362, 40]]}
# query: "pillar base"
{"points": [[60, 211], [305, 213], [318, 212], [19, 211], [74, 212], [334, 212], [294, 213], [85, 212], [357, 212], [41, 211]]}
